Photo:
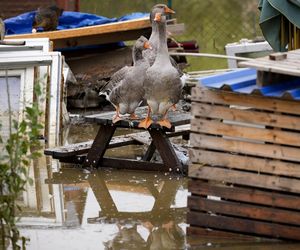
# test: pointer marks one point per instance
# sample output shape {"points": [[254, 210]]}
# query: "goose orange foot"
{"points": [[133, 116], [165, 123], [146, 123], [116, 118]]}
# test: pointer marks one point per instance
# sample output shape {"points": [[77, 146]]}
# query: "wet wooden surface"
{"points": [[287, 66], [117, 141], [176, 118]]}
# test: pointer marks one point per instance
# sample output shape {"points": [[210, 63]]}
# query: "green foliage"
{"points": [[18, 150]]}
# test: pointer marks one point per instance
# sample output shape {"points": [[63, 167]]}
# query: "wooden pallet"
{"points": [[245, 164]]}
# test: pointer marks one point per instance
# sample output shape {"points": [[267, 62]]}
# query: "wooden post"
{"points": [[99, 146], [166, 151]]}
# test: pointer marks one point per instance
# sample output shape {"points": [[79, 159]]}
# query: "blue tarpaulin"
{"points": [[22, 24]]}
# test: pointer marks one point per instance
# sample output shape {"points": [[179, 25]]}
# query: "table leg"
{"points": [[166, 150], [101, 192], [149, 153], [99, 146]]}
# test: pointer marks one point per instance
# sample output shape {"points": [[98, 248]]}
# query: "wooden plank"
{"points": [[149, 153], [107, 38], [221, 236], [101, 192], [166, 151], [145, 138], [99, 146], [202, 94], [84, 147], [289, 66], [243, 225], [237, 131], [244, 178], [249, 163], [278, 56], [176, 214], [247, 116], [249, 195], [244, 210], [89, 31], [130, 164], [176, 118], [255, 149], [116, 141]]}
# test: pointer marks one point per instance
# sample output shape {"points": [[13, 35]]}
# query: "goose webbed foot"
{"points": [[133, 116], [165, 123], [116, 118], [146, 123]]}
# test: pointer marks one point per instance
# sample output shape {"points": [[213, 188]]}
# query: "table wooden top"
{"points": [[178, 117]]}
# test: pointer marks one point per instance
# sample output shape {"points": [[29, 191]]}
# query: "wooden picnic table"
{"points": [[91, 153], [160, 142]]}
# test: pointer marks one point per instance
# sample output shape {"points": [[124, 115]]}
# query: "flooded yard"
{"points": [[71, 208]]}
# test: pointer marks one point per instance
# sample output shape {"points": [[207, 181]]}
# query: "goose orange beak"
{"points": [[168, 10], [157, 17], [147, 45]]}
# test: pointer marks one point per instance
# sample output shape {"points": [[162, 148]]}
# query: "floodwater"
{"points": [[69, 208]]}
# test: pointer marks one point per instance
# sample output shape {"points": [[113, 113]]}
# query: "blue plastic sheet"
{"points": [[22, 24]]}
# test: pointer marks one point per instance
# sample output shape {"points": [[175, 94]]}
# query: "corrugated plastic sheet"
{"points": [[244, 81]]}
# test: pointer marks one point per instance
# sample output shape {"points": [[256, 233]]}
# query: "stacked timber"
{"points": [[244, 165]]}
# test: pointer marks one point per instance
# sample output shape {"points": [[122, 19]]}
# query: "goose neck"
{"points": [[163, 54], [136, 55]]}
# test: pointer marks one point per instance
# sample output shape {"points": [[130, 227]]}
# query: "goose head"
{"points": [[140, 45], [160, 8]]}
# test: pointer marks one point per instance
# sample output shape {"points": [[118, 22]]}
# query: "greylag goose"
{"points": [[125, 89], [154, 37], [162, 84]]}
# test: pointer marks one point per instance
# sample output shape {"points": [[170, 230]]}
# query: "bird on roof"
{"points": [[125, 88], [47, 18], [162, 84]]}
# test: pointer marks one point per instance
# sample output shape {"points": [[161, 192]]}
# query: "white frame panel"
{"points": [[232, 49]]}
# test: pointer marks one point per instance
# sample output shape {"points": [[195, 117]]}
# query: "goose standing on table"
{"points": [[125, 89], [162, 84]]}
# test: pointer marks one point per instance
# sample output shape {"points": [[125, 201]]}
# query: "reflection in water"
{"points": [[110, 209]]}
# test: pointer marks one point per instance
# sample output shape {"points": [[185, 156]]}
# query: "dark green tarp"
{"points": [[270, 19]]}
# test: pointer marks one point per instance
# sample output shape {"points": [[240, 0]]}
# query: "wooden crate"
{"points": [[245, 164]]}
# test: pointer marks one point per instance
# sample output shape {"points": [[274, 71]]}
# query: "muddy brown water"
{"points": [[69, 208]]}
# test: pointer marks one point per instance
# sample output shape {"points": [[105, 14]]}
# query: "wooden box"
{"points": [[245, 164]]}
